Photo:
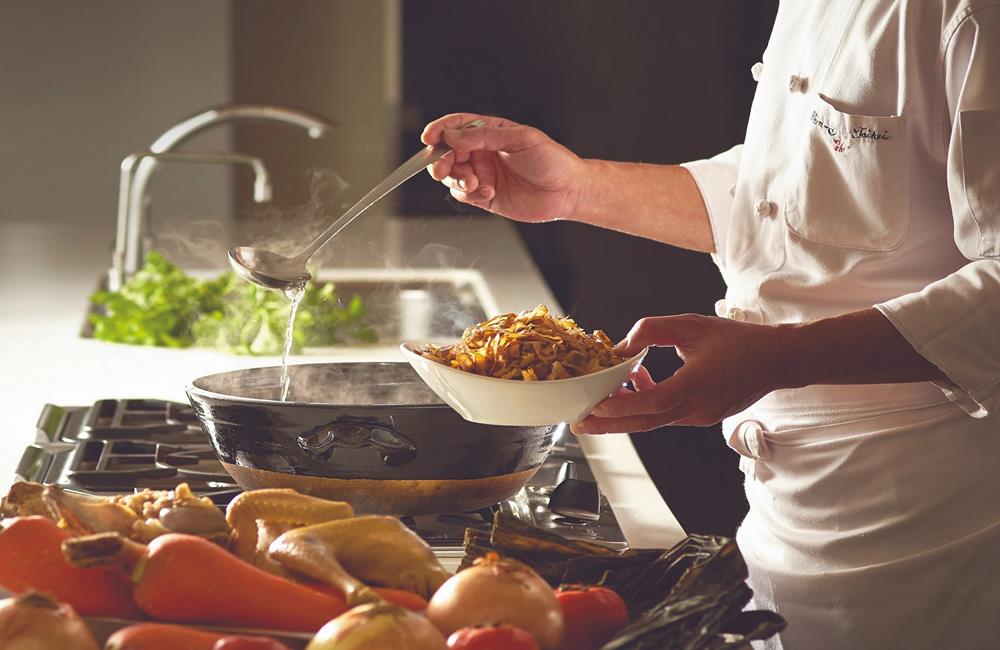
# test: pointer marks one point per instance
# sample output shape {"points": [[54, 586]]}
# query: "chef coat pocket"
{"points": [[852, 187]]}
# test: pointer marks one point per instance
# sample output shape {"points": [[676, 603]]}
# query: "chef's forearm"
{"points": [[862, 347], [660, 202]]}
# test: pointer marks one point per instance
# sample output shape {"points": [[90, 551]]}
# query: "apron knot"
{"points": [[748, 440]]}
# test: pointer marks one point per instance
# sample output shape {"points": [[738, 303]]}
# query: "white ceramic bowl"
{"points": [[513, 402]]}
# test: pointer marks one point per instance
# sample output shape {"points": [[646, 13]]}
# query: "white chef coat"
{"points": [[870, 175]]}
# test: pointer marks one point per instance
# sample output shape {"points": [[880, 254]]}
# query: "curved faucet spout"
{"points": [[136, 199], [315, 125], [262, 192]]}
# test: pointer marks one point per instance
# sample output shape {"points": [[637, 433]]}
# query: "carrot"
{"points": [[187, 579], [30, 558], [160, 636], [408, 599]]}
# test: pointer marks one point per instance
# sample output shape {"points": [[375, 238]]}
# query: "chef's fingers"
{"points": [[481, 198], [594, 424], [465, 177], [493, 138], [659, 398], [441, 169], [641, 379], [655, 331], [465, 185], [621, 390], [432, 132]]}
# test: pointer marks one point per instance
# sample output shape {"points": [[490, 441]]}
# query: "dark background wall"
{"points": [[644, 80]]}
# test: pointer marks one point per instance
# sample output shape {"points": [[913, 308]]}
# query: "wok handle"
{"points": [[393, 447]]}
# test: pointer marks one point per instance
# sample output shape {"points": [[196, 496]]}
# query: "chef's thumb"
{"points": [[491, 138], [652, 331]]}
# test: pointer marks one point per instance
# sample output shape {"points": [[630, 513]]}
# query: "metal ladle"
{"points": [[276, 271]]}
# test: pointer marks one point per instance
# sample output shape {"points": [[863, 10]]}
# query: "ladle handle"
{"points": [[404, 172]]}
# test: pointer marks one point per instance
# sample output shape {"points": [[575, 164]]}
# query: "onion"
{"points": [[378, 626], [495, 591], [33, 621]]}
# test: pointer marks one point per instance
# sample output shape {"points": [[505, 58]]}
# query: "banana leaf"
{"points": [[689, 597]]}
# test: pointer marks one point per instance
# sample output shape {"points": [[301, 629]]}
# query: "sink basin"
{"points": [[417, 304], [434, 305]]}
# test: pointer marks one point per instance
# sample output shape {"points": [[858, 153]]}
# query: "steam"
{"points": [[409, 308], [348, 384], [198, 244], [287, 230]]}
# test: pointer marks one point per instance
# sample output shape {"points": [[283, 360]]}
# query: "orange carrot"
{"points": [[30, 558], [408, 599], [160, 636], [187, 579]]}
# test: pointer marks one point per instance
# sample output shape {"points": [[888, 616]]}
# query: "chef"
{"points": [[855, 358]]}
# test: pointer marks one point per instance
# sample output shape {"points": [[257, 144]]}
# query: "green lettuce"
{"points": [[162, 305]]}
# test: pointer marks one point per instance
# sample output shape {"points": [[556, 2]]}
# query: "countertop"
{"points": [[51, 268]]}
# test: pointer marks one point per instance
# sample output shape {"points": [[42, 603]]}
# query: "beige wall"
{"points": [[338, 58], [82, 84]]}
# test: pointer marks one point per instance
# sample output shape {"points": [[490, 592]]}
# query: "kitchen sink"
{"points": [[433, 305], [416, 305]]}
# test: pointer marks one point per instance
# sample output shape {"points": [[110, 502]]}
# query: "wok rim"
{"points": [[192, 389]]}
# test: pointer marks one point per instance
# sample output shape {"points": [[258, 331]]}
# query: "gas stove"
{"points": [[123, 445]]}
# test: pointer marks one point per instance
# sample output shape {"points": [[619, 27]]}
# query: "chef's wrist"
{"points": [[795, 345], [860, 347], [591, 194]]}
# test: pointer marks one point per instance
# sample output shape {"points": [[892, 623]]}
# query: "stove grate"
{"points": [[116, 446]]}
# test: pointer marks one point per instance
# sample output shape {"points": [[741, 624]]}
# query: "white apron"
{"points": [[870, 176], [874, 517]]}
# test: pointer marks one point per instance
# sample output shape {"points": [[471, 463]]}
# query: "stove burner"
{"points": [[111, 419], [134, 444]]}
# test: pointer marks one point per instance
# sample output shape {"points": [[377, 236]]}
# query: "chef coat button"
{"points": [[796, 84], [735, 313], [762, 208], [752, 434], [720, 308], [755, 70], [732, 190]]}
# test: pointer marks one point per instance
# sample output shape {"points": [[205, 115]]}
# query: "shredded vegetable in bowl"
{"points": [[531, 346]]}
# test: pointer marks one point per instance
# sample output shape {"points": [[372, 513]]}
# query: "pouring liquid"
{"points": [[294, 294]]}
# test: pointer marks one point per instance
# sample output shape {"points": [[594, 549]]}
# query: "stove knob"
{"points": [[575, 498], [566, 470]]}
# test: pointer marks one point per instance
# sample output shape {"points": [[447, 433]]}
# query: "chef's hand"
{"points": [[728, 365], [507, 168]]}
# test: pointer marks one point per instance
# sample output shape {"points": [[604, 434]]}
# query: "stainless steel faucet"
{"points": [[131, 215], [262, 192]]}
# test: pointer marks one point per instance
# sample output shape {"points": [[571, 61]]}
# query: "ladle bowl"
{"points": [[268, 269]]}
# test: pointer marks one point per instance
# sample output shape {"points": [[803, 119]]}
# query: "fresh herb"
{"points": [[161, 305]]}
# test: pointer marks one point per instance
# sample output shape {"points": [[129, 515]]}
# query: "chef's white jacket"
{"points": [[870, 175]]}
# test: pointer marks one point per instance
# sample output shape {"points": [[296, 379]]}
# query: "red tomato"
{"points": [[593, 616], [499, 637], [248, 643]]}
